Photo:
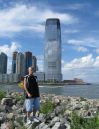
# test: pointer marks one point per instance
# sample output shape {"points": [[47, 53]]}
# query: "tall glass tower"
{"points": [[52, 51], [20, 64], [3, 63], [28, 61], [14, 62]]}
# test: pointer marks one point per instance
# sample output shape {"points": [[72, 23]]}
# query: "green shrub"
{"points": [[47, 107], [79, 122], [19, 98], [2, 94]]}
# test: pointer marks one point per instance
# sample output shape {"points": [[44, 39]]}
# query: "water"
{"points": [[87, 91]]}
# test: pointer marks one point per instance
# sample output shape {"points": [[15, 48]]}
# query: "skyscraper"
{"points": [[52, 51], [14, 62], [20, 64], [3, 63], [34, 63], [28, 61]]}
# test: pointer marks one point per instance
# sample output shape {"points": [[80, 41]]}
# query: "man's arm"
{"points": [[29, 95]]}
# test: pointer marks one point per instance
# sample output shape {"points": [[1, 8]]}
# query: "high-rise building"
{"points": [[28, 61], [14, 62], [52, 51], [3, 63], [34, 63], [20, 64]]}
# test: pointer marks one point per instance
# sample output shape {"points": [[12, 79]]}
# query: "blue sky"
{"points": [[22, 28]]}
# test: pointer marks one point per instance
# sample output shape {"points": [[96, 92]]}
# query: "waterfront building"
{"points": [[34, 63], [20, 64], [3, 63], [14, 62], [28, 61], [52, 50]]}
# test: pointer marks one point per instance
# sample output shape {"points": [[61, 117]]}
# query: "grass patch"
{"points": [[47, 107], [2, 94], [20, 97], [79, 122]]}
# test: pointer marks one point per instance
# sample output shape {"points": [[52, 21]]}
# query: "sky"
{"points": [[22, 28]]}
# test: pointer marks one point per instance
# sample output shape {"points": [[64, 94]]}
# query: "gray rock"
{"points": [[19, 118], [8, 108], [10, 116], [14, 107], [58, 110], [67, 126], [62, 127], [56, 101], [1, 120], [56, 126], [45, 127], [5, 125], [3, 115], [7, 101], [63, 121], [54, 120], [78, 107], [42, 117], [30, 126], [19, 111], [41, 125], [17, 124], [52, 114], [2, 108]]}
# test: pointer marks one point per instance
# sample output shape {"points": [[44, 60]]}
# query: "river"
{"points": [[87, 91]]}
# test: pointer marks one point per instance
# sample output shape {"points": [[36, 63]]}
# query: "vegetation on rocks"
{"points": [[56, 112], [79, 122], [47, 107], [2, 94]]}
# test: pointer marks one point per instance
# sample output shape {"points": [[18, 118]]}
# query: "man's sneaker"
{"points": [[35, 119]]}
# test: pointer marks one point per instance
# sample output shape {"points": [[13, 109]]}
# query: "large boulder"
{"points": [[10, 116], [56, 126], [7, 101], [54, 120]]}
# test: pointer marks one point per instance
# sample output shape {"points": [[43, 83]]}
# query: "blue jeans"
{"points": [[32, 103]]}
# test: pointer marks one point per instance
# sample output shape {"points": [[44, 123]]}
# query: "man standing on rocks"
{"points": [[32, 100]]}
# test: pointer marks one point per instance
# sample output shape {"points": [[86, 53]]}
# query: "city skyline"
{"points": [[20, 63], [22, 26]]}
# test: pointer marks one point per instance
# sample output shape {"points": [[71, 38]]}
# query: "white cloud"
{"points": [[78, 6], [9, 49], [97, 50], [71, 31], [40, 57], [64, 17], [90, 42], [22, 17], [86, 61], [81, 49], [40, 62], [96, 63], [85, 68]]}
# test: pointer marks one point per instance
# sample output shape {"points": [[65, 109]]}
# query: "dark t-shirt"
{"points": [[32, 86]]}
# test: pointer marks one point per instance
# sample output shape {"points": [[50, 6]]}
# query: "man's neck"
{"points": [[30, 74]]}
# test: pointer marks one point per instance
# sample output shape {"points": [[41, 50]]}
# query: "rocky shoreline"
{"points": [[57, 112]]}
